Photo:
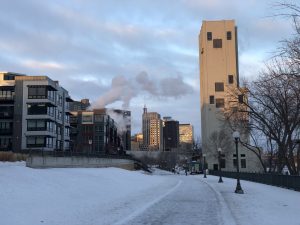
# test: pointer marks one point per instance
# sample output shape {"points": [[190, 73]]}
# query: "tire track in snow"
{"points": [[225, 209], [146, 206]]}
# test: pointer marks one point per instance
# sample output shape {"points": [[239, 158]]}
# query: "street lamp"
{"points": [[238, 189], [204, 167], [220, 172], [90, 144]]}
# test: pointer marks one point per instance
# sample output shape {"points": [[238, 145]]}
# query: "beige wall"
{"points": [[215, 66]]}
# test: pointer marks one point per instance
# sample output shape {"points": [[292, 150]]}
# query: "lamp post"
{"points": [[219, 155], [90, 144], [238, 189], [204, 166]]}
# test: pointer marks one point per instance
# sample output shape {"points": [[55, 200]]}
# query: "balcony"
{"points": [[8, 131]]}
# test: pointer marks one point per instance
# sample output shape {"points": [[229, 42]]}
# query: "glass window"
{"points": [[228, 35], [211, 99], [230, 79], [217, 43], [243, 163], [219, 86], [220, 103], [209, 36]]}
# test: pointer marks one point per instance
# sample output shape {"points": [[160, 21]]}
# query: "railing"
{"points": [[286, 181]]}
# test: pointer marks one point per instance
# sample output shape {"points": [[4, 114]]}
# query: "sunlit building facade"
{"points": [[152, 131], [218, 51]]}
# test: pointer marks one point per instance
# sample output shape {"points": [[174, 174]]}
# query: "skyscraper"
{"points": [[218, 51], [152, 130]]}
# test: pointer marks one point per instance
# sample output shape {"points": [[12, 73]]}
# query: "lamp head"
{"points": [[219, 150], [236, 135]]}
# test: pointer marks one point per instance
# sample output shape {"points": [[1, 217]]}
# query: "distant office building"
{"points": [[218, 51], [83, 104], [186, 133], [152, 130], [170, 134], [95, 132], [137, 142], [34, 113]]}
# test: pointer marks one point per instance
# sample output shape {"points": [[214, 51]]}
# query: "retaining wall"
{"points": [[77, 162]]}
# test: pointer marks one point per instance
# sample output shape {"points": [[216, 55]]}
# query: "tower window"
{"points": [[219, 86], [209, 36], [230, 79], [241, 98], [228, 35], [219, 102], [243, 163], [211, 99], [217, 43]]}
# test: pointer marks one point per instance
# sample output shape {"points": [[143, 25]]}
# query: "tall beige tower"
{"points": [[152, 130], [218, 53]]}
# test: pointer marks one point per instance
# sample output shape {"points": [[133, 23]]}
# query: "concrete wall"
{"points": [[77, 162]]}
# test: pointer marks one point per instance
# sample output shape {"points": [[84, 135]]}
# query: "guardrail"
{"points": [[286, 181]]}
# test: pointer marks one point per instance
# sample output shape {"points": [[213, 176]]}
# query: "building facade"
{"points": [[170, 134], [94, 132], [186, 136], [34, 113], [152, 131], [218, 51]]}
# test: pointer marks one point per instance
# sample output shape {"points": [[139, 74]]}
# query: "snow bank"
{"points": [[261, 204], [74, 196]]}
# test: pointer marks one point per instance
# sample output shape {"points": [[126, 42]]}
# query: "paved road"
{"points": [[192, 202]]}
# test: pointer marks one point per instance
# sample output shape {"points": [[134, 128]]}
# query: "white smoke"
{"points": [[124, 89], [121, 121]]}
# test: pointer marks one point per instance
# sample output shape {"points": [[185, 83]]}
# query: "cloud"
{"points": [[34, 64]]}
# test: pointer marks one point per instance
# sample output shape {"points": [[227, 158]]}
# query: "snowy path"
{"points": [[193, 202], [111, 196]]}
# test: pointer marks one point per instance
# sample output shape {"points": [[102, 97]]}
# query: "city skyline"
{"points": [[148, 49]]}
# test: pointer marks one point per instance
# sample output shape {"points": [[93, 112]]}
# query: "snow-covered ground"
{"points": [[115, 196]]}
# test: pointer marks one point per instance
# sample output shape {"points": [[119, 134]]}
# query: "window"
{"points": [[211, 99], [219, 86], [37, 92], [228, 35], [98, 118], [209, 36], [36, 141], [36, 109], [230, 79], [243, 163], [243, 155], [234, 162], [220, 103], [223, 165], [241, 98], [217, 43]]}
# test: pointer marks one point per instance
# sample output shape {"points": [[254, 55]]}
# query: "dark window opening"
{"points": [[243, 163], [228, 35], [219, 86], [209, 36], [243, 155], [241, 98], [217, 43], [223, 163], [234, 162], [37, 92], [211, 99], [230, 79], [37, 109], [220, 103]]}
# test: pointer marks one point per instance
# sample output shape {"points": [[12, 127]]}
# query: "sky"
{"points": [[129, 53]]}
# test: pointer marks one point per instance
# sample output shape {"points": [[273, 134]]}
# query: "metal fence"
{"points": [[286, 181]]}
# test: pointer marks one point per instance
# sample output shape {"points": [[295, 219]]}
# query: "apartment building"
{"points": [[34, 113]]}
